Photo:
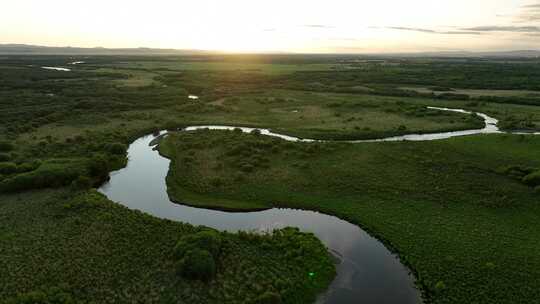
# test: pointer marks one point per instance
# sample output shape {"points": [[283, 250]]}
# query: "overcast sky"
{"points": [[347, 26]]}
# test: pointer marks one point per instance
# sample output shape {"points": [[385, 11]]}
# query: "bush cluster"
{"points": [[82, 183], [54, 173], [528, 175], [517, 172], [251, 155], [532, 179], [116, 148], [8, 168], [80, 173], [196, 255], [512, 122]]}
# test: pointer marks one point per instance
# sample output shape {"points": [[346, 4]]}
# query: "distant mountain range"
{"points": [[24, 49], [465, 54]]}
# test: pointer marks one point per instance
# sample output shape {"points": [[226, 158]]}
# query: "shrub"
{"points": [[6, 146], [247, 168], [27, 167], [537, 189], [8, 168], [532, 179], [4, 157], [50, 174], [516, 171], [86, 200], [440, 286], [268, 298], [208, 240], [196, 254], [216, 182], [116, 148], [197, 264], [98, 166], [82, 183]]}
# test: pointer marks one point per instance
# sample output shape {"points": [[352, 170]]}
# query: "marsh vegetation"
{"points": [[462, 213], [470, 201]]}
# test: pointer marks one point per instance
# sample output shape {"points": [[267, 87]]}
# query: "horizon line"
{"points": [[227, 52]]}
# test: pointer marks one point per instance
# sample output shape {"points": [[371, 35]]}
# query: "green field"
{"points": [[459, 212]]}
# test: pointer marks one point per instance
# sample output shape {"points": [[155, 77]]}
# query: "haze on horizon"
{"points": [[338, 26]]}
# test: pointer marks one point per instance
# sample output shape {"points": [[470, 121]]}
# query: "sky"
{"points": [[304, 26]]}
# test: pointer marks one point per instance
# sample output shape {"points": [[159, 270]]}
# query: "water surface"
{"points": [[56, 69], [368, 272]]}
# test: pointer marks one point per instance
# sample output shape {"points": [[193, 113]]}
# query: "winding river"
{"points": [[57, 69], [367, 272]]}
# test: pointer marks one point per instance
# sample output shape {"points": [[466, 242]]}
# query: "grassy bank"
{"points": [[98, 251], [455, 210]]}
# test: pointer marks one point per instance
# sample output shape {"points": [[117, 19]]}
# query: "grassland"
{"points": [[263, 68], [133, 77], [337, 116], [449, 208], [475, 92], [92, 250], [455, 210]]}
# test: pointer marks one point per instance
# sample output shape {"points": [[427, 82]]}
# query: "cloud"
{"points": [[460, 33], [529, 17], [497, 28], [321, 26], [530, 12], [412, 29], [430, 31]]}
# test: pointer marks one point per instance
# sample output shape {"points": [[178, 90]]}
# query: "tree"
{"points": [[208, 240], [197, 264]]}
